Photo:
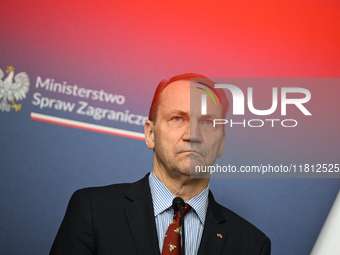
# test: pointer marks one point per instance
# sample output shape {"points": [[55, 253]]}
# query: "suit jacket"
{"points": [[119, 219]]}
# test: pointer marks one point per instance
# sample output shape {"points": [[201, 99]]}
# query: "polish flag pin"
{"points": [[219, 235]]}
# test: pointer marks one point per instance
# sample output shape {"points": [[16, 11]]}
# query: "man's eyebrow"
{"points": [[178, 112], [209, 116]]}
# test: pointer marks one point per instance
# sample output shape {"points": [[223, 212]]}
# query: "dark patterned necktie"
{"points": [[172, 240]]}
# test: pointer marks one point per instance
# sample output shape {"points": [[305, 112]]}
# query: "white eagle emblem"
{"points": [[10, 91]]}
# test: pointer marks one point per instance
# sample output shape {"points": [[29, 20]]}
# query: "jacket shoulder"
{"points": [[113, 193]]}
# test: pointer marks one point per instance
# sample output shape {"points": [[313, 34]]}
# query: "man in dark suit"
{"points": [[134, 218]]}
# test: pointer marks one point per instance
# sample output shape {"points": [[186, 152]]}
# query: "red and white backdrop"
{"points": [[77, 79]]}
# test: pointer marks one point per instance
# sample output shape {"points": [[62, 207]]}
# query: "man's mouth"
{"points": [[191, 152]]}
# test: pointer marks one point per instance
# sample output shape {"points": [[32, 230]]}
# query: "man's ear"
{"points": [[220, 152], [149, 132]]}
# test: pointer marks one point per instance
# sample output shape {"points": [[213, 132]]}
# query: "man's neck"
{"points": [[181, 185]]}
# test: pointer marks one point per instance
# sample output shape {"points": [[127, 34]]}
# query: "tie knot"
{"points": [[185, 211]]}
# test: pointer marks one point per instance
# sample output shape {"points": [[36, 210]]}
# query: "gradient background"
{"points": [[127, 47]]}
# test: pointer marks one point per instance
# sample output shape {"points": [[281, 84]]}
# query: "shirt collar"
{"points": [[162, 198]]}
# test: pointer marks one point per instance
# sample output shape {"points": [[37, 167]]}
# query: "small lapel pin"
{"points": [[219, 235]]}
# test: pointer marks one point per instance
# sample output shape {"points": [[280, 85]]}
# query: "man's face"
{"points": [[181, 137]]}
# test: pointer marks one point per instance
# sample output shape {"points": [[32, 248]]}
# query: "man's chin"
{"points": [[189, 168], [193, 173], [196, 173]]}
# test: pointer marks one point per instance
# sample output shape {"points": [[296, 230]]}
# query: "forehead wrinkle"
{"points": [[178, 112], [209, 116]]}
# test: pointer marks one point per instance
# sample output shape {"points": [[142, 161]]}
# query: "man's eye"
{"points": [[207, 123], [177, 119], [176, 122]]}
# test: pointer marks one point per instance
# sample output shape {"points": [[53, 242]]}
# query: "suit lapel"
{"points": [[139, 215], [214, 235]]}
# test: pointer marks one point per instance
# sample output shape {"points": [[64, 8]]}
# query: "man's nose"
{"points": [[192, 132]]}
